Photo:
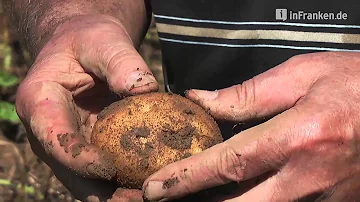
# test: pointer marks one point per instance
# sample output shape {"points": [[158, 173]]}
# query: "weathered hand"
{"points": [[67, 87], [311, 145]]}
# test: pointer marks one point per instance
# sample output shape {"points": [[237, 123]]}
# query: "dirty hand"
{"points": [[67, 87], [310, 146]]}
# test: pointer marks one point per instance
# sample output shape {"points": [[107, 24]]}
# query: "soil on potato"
{"points": [[178, 140], [128, 144]]}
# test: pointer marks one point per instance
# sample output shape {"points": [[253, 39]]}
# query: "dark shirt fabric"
{"points": [[212, 44]]}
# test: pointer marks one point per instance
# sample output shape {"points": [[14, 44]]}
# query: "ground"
{"points": [[24, 177]]}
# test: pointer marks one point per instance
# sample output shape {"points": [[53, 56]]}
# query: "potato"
{"points": [[146, 132]]}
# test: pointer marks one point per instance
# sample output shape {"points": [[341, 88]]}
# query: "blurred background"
{"points": [[23, 177]]}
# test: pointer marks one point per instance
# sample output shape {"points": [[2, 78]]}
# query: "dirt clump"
{"points": [[180, 139], [170, 182]]}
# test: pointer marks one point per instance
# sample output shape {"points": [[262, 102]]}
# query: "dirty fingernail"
{"points": [[138, 79], [155, 191], [207, 95]]}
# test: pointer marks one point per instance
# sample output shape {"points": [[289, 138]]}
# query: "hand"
{"points": [[310, 146], [67, 87]]}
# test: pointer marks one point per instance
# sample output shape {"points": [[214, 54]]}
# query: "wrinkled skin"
{"points": [[67, 86], [310, 146]]}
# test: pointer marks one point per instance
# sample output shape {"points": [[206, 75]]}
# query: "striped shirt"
{"points": [[213, 44]]}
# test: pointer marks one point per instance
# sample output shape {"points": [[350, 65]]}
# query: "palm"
{"points": [[75, 98], [90, 102]]}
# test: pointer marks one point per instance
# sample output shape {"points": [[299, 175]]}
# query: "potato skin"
{"points": [[146, 132]]}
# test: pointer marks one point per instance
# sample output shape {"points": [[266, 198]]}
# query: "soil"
{"points": [[211, 142], [130, 142], [126, 142], [170, 182], [141, 132], [187, 155], [77, 149], [64, 141], [189, 111], [100, 171], [180, 139]]}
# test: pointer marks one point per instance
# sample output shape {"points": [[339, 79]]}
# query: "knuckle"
{"points": [[115, 55], [305, 59], [326, 121], [298, 59], [298, 62], [312, 61], [278, 155], [231, 165], [323, 130], [246, 95], [115, 59]]}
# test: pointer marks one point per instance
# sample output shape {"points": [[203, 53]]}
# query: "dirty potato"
{"points": [[144, 133]]}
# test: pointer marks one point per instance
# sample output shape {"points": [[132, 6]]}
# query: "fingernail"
{"points": [[138, 79], [155, 191], [207, 95]]}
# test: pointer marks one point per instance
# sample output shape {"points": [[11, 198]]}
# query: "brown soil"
{"points": [[180, 139], [189, 111], [130, 142], [170, 182], [77, 149]]}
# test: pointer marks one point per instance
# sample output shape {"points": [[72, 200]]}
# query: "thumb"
{"points": [[106, 50], [251, 153], [265, 95]]}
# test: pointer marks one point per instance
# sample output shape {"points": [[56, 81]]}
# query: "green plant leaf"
{"points": [[28, 189], [7, 61], [8, 80], [7, 58], [8, 112]]}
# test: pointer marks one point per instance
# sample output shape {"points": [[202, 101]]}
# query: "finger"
{"points": [[85, 189], [347, 190], [224, 192], [284, 186], [250, 153], [303, 181], [114, 58], [266, 189], [264, 95], [127, 195], [49, 112]]}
